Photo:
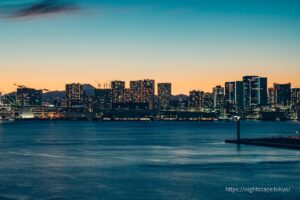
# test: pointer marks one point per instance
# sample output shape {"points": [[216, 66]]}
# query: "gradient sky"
{"points": [[195, 44]]}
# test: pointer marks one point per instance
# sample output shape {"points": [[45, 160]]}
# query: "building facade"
{"points": [[208, 101], [118, 91], [128, 98], [271, 96], [164, 95], [102, 98], [136, 91], [74, 95], [282, 94], [218, 94], [234, 95], [148, 92], [295, 101], [254, 92], [196, 99], [29, 97]]}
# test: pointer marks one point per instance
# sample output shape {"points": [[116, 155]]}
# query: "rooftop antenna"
{"points": [[19, 86], [98, 85], [45, 90]]}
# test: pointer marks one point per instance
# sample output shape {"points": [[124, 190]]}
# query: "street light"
{"points": [[238, 128]]}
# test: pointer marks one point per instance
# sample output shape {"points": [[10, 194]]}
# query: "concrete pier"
{"points": [[280, 142]]}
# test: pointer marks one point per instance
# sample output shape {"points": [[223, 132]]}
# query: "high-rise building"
{"points": [[208, 101], [248, 94], [254, 91], [136, 90], [142, 91], [261, 93], [128, 96], [164, 95], [102, 98], [282, 94], [234, 95], [88, 103], [74, 94], [271, 96], [218, 94], [196, 99], [296, 98], [29, 97], [180, 102], [118, 91], [148, 92]]}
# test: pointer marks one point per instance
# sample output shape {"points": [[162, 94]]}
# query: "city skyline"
{"points": [[128, 85], [193, 44], [250, 98]]}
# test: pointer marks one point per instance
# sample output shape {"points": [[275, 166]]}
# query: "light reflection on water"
{"points": [[148, 160]]}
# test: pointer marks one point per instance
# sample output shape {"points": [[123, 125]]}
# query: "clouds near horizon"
{"points": [[33, 9]]}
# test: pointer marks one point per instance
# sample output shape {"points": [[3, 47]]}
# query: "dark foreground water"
{"points": [[143, 160]]}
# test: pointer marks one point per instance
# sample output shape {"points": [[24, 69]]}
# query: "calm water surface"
{"points": [[143, 160]]}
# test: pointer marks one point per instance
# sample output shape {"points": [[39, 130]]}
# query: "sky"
{"points": [[194, 44]]}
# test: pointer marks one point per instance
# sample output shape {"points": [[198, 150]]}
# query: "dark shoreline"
{"points": [[142, 120]]}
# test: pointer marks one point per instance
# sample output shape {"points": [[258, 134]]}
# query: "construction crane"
{"points": [[98, 84], [105, 85], [19, 86], [23, 86]]}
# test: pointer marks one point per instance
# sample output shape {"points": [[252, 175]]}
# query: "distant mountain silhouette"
{"points": [[10, 94], [179, 97], [53, 95], [88, 89]]}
